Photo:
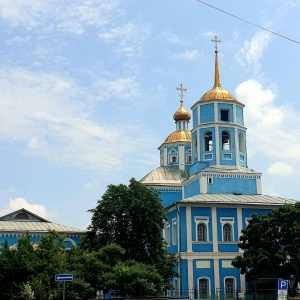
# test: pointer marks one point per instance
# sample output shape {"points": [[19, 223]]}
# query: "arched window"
{"points": [[173, 156], [227, 232], [203, 288], [208, 143], [201, 232], [229, 287], [225, 140], [241, 142], [22, 216]]}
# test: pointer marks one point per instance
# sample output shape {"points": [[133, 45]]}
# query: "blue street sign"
{"points": [[283, 284], [64, 277]]}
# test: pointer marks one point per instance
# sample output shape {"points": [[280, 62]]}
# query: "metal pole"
{"points": [[64, 290]]}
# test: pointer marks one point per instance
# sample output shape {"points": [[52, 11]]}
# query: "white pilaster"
{"points": [[181, 157], [203, 185], [189, 229], [214, 223]]}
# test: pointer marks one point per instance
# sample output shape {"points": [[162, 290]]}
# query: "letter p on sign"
{"points": [[283, 284]]}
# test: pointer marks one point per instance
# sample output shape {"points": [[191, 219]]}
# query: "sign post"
{"points": [[64, 278], [282, 289]]}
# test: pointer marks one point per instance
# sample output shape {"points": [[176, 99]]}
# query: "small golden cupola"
{"points": [[182, 118], [217, 92]]}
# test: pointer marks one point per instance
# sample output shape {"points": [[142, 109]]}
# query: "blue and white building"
{"points": [[209, 191], [23, 222]]}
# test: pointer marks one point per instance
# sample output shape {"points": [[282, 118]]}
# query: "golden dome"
{"points": [[179, 136], [217, 93], [182, 114]]}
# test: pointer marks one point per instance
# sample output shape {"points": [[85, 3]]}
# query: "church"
{"points": [[209, 192]]}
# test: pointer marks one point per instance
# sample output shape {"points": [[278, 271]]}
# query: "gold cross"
{"points": [[216, 41], [181, 89]]}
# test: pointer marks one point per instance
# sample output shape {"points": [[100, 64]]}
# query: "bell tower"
{"points": [[218, 134]]}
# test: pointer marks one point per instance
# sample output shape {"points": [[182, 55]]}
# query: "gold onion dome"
{"points": [[217, 93], [179, 136], [182, 114]]}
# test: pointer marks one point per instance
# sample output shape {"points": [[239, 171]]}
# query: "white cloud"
{"points": [[18, 203], [72, 17], [128, 38], [270, 133], [122, 88], [91, 184], [187, 55], [280, 168], [253, 49], [48, 115]]}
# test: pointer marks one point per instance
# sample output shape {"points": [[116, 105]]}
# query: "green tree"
{"points": [[133, 217], [271, 245]]}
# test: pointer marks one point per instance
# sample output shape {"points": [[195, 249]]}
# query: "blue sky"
{"points": [[88, 91]]}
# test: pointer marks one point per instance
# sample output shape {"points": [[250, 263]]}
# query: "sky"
{"points": [[88, 92]]}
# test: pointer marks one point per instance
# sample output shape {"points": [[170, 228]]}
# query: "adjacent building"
{"points": [[23, 222]]}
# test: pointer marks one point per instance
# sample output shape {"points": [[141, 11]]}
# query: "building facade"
{"points": [[23, 222], [209, 191]]}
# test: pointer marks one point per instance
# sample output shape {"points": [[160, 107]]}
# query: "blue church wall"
{"points": [[192, 188], [227, 157], [195, 117], [239, 115], [184, 275], [248, 212], [169, 197], [183, 236], [225, 185], [198, 167], [228, 107], [12, 239], [203, 272], [201, 246], [207, 113], [201, 212], [228, 272], [228, 213], [173, 245]]}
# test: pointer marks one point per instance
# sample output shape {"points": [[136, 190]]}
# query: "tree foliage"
{"points": [[133, 217], [271, 245]]}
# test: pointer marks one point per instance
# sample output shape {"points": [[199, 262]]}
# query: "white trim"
{"points": [[204, 220], [234, 285], [208, 286], [189, 229], [230, 221], [174, 231], [167, 233], [71, 241]]}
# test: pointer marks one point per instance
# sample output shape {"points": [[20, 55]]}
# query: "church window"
{"points": [[224, 113], [172, 156], [208, 144], [209, 180], [167, 233], [22, 216], [241, 142], [225, 140], [201, 224], [227, 233], [174, 232], [229, 287], [201, 232], [188, 156], [203, 288]]}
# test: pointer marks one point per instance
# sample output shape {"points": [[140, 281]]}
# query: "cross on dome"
{"points": [[181, 89], [216, 41]]}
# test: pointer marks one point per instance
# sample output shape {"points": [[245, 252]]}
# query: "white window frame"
{"points": [[208, 286], [204, 220], [230, 221], [167, 233], [174, 231], [210, 179], [173, 153], [233, 290]]}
